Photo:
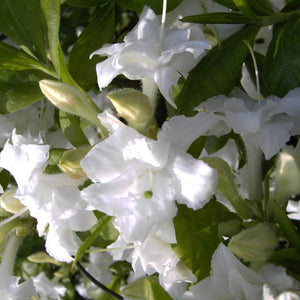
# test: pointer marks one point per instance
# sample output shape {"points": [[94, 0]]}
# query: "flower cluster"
{"points": [[181, 186]]}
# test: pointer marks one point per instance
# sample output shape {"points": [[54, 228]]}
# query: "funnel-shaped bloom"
{"points": [[142, 56]]}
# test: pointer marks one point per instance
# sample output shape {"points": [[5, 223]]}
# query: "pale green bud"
{"points": [[69, 99], [10, 203], [134, 107], [255, 244], [42, 257], [287, 178], [69, 163]]}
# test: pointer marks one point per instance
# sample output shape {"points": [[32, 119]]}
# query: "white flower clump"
{"points": [[230, 279], [137, 179], [143, 55], [54, 200]]}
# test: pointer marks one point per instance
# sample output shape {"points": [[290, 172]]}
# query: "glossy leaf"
{"points": [[14, 96], [22, 21], [72, 130], [217, 73], [196, 248], [282, 65], [51, 9], [14, 59], [153, 291], [89, 241], [99, 31]]}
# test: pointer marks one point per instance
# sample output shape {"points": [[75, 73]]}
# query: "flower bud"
{"points": [[69, 163], [287, 178], [70, 99], [254, 244], [10, 203], [132, 105]]}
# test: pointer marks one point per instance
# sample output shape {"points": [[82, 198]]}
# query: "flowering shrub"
{"points": [[149, 149]]}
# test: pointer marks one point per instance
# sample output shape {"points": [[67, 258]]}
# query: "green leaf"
{"points": [[244, 6], [288, 258], [138, 5], [4, 179], [261, 7], [282, 66], [214, 144], [218, 18], [72, 130], [22, 21], [86, 3], [96, 230], [51, 9], [14, 96], [14, 59], [196, 248], [99, 31], [153, 291], [54, 157], [135, 290], [227, 186], [217, 73]]}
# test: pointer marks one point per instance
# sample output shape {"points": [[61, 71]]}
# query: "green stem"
{"points": [[254, 163]]}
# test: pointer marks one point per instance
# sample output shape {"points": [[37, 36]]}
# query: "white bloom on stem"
{"points": [[230, 279], [142, 56], [266, 124], [137, 179], [54, 200]]}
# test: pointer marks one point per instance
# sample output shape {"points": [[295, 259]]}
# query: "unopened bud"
{"points": [[25, 226], [287, 178], [133, 106], [255, 244], [70, 99], [10, 203], [42, 257], [69, 163]]}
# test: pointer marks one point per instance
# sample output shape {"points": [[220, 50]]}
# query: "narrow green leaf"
{"points": [[14, 96], [86, 3], [99, 31], [51, 9], [227, 186], [88, 242], [72, 130], [282, 65], [287, 227], [22, 21], [217, 73], [218, 18], [196, 248], [153, 291], [14, 59], [261, 7]]}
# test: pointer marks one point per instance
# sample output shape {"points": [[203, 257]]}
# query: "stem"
{"points": [[162, 27], [254, 163], [97, 283], [9, 256]]}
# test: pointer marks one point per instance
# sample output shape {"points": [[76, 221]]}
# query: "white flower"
{"points": [[48, 289], [230, 279], [10, 289], [141, 56], [137, 179], [53, 200], [267, 124]]}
